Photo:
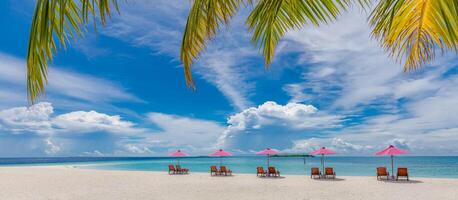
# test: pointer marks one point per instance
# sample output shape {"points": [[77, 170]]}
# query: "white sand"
{"points": [[59, 182]]}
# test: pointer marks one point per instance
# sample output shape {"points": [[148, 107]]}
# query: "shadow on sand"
{"points": [[401, 181], [271, 177], [328, 179]]}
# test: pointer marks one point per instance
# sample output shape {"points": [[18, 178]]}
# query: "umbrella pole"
{"points": [[268, 158], [322, 162], [392, 167], [220, 161]]}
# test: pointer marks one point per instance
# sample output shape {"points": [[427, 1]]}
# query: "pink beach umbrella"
{"points": [[220, 153], [268, 152], [322, 151], [178, 154], [391, 151]]}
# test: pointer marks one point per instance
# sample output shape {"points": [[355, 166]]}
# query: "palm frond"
{"points": [[204, 20], [412, 30], [54, 23], [271, 19]]}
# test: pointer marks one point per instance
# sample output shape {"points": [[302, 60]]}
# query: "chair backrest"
{"points": [[260, 170], [213, 169], [178, 167], [402, 171], [272, 170], [223, 168], [171, 168], [315, 171], [329, 171], [381, 171]]}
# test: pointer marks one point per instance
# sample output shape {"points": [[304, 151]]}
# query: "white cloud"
{"points": [[27, 119], [92, 121], [38, 119], [272, 123]]}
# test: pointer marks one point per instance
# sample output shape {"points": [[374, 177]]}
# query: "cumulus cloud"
{"points": [[37, 119], [27, 119], [92, 121], [274, 123]]}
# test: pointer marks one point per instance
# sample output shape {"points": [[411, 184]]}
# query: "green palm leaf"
{"points": [[270, 20], [412, 30], [54, 23], [204, 20]]}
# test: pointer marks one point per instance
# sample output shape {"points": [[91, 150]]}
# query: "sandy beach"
{"points": [[65, 182]]}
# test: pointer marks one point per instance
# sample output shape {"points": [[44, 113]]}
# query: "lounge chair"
{"points": [[214, 171], [181, 170], [260, 172], [402, 172], [382, 172], [172, 169], [226, 171], [329, 172], [273, 172], [315, 172]]}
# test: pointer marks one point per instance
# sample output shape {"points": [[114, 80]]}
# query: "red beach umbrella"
{"points": [[178, 154], [268, 152], [391, 151], [220, 153], [322, 151]]}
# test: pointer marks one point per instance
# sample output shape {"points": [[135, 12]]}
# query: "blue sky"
{"points": [[120, 91]]}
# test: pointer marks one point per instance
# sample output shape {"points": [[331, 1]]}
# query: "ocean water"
{"points": [[419, 166]]}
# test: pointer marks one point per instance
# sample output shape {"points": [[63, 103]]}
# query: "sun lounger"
{"points": [[402, 172], [181, 170], [172, 169], [273, 172], [225, 171], [260, 171], [214, 171], [315, 172], [329, 172], [382, 172]]}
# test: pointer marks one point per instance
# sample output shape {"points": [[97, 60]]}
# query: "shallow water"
{"points": [[419, 166]]}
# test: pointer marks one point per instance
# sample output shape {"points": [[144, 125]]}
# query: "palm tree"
{"points": [[410, 30]]}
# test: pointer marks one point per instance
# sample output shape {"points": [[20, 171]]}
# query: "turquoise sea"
{"points": [[419, 166]]}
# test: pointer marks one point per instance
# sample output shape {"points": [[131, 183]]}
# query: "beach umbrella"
{"points": [[220, 153], [322, 151], [391, 151], [178, 154], [268, 152]]}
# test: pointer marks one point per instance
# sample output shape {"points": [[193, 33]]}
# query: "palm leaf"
{"points": [[413, 30], [204, 20], [57, 21], [270, 20]]}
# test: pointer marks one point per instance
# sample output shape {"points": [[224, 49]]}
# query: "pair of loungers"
{"points": [[383, 172], [271, 172], [328, 173], [223, 171], [177, 170]]}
